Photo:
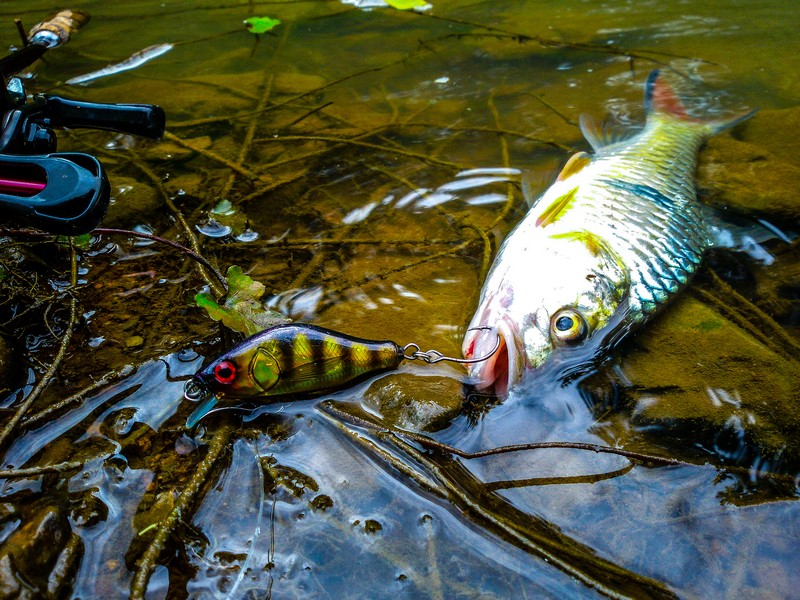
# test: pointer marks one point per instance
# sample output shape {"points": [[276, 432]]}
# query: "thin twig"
{"points": [[34, 471], [56, 362], [212, 156], [493, 486], [552, 109], [187, 230], [190, 253], [350, 141], [487, 251], [75, 398], [127, 232], [504, 152], [598, 448]]}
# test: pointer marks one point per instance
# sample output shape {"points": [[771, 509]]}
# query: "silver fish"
{"points": [[614, 239]]}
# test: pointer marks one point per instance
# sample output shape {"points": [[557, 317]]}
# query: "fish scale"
{"points": [[618, 233]]}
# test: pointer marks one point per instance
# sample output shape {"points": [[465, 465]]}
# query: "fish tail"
{"points": [[661, 99]]}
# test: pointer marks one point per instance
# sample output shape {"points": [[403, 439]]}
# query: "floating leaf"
{"points": [[242, 310], [407, 4], [260, 24], [224, 207]]}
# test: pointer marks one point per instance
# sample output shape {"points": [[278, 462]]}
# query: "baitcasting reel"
{"points": [[62, 193]]}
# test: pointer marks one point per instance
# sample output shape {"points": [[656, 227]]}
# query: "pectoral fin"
{"points": [[557, 208], [575, 163]]}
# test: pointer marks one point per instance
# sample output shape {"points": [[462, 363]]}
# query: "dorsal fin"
{"points": [[659, 97], [575, 163], [599, 135]]}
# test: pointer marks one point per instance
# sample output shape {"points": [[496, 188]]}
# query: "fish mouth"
{"points": [[502, 368]]}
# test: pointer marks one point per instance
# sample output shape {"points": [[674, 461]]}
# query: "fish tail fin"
{"points": [[661, 99]]}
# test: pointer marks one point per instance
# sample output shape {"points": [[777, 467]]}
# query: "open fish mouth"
{"points": [[500, 370]]}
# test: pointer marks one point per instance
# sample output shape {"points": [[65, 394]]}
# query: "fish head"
{"points": [[247, 371], [546, 297]]}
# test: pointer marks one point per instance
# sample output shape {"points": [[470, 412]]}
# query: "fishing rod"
{"points": [[59, 192]]}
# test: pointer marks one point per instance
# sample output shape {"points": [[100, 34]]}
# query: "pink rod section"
{"points": [[25, 187]]}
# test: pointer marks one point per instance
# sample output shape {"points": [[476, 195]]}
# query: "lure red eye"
{"points": [[225, 372]]}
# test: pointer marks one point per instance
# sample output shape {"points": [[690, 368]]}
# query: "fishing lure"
{"points": [[299, 360]]}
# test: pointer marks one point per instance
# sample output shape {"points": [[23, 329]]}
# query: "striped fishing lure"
{"points": [[298, 360]]}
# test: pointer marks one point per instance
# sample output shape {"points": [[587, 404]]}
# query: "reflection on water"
{"points": [[364, 165]]}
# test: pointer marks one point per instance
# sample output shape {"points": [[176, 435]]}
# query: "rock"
{"points": [[134, 341], [753, 170], [29, 555], [696, 375], [415, 403]]}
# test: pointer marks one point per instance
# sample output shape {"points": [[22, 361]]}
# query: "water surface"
{"points": [[364, 165]]}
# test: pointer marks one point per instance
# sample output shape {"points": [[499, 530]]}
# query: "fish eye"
{"points": [[225, 372], [568, 327]]}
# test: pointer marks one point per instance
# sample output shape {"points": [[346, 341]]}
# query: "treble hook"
{"points": [[413, 352]]}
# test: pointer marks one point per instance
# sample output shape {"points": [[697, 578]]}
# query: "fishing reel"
{"points": [[62, 193]]}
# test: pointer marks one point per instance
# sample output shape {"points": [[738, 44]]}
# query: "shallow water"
{"points": [[372, 161]]}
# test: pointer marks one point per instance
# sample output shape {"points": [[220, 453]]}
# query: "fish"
{"points": [[612, 241], [290, 360]]}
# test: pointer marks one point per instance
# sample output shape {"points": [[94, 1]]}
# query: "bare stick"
{"points": [[179, 217], [75, 398], [127, 232], [34, 471], [183, 506], [429, 443], [148, 236], [212, 156], [350, 141]]}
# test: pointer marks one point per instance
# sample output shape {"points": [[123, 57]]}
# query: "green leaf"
{"points": [[260, 24], [242, 310], [224, 207], [406, 4]]}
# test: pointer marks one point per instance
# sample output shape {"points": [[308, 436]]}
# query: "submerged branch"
{"points": [[34, 233], [353, 142], [183, 506], [188, 252], [75, 398], [213, 156], [34, 471], [155, 180], [637, 457], [558, 480]]}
